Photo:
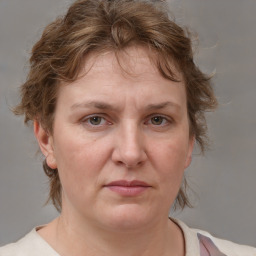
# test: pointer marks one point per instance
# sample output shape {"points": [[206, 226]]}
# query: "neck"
{"points": [[162, 239]]}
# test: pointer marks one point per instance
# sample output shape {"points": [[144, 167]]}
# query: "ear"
{"points": [[190, 151], [45, 142]]}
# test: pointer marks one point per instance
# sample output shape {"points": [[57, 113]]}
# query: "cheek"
{"points": [[80, 162], [170, 159]]}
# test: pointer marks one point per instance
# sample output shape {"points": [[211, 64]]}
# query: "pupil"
{"points": [[95, 120], [157, 120]]}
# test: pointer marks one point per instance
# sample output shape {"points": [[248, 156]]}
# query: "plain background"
{"points": [[224, 180]]}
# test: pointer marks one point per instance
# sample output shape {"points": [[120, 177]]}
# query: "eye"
{"points": [[96, 120], [158, 120]]}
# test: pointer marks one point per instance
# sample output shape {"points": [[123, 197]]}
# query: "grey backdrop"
{"points": [[224, 180]]}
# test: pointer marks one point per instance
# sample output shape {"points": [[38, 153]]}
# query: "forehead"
{"points": [[129, 76], [131, 62]]}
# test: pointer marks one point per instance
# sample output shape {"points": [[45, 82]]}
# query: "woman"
{"points": [[117, 105]]}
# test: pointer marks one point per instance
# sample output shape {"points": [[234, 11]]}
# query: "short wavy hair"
{"points": [[97, 26]]}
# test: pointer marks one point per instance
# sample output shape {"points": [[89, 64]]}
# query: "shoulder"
{"points": [[30, 245], [224, 246], [205, 244], [21, 247]]}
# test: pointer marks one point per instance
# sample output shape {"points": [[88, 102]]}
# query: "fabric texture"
{"points": [[198, 243]]}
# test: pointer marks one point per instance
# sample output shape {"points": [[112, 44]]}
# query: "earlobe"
{"points": [[45, 143], [190, 151]]}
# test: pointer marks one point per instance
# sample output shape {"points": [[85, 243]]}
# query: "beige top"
{"points": [[198, 243]]}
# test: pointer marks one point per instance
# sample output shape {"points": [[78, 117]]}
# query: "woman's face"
{"points": [[120, 142]]}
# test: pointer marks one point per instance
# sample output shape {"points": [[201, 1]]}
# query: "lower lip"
{"points": [[128, 191]]}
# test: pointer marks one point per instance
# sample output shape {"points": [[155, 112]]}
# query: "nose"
{"points": [[129, 146]]}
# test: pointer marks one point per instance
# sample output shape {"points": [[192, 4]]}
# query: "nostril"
{"points": [[131, 163]]}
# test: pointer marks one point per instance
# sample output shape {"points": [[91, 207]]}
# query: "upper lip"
{"points": [[126, 183]]}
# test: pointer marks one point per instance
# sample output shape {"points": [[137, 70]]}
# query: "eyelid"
{"points": [[85, 120], [168, 119]]}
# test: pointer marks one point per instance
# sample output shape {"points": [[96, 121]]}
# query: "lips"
{"points": [[128, 188], [125, 183]]}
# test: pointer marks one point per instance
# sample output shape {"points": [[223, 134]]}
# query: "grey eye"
{"points": [[95, 120]]}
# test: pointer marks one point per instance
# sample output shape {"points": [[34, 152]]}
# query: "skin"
{"points": [[110, 125]]}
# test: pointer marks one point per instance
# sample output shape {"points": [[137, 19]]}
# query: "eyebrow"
{"points": [[106, 106], [94, 104], [162, 105]]}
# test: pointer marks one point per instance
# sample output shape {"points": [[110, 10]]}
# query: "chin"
{"points": [[129, 217]]}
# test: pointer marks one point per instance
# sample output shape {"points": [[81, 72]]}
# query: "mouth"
{"points": [[128, 188]]}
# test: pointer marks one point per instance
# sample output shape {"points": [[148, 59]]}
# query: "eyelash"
{"points": [[86, 120], [164, 118]]}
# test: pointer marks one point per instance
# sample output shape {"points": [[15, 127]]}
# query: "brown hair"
{"points": [[93, 26]]}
